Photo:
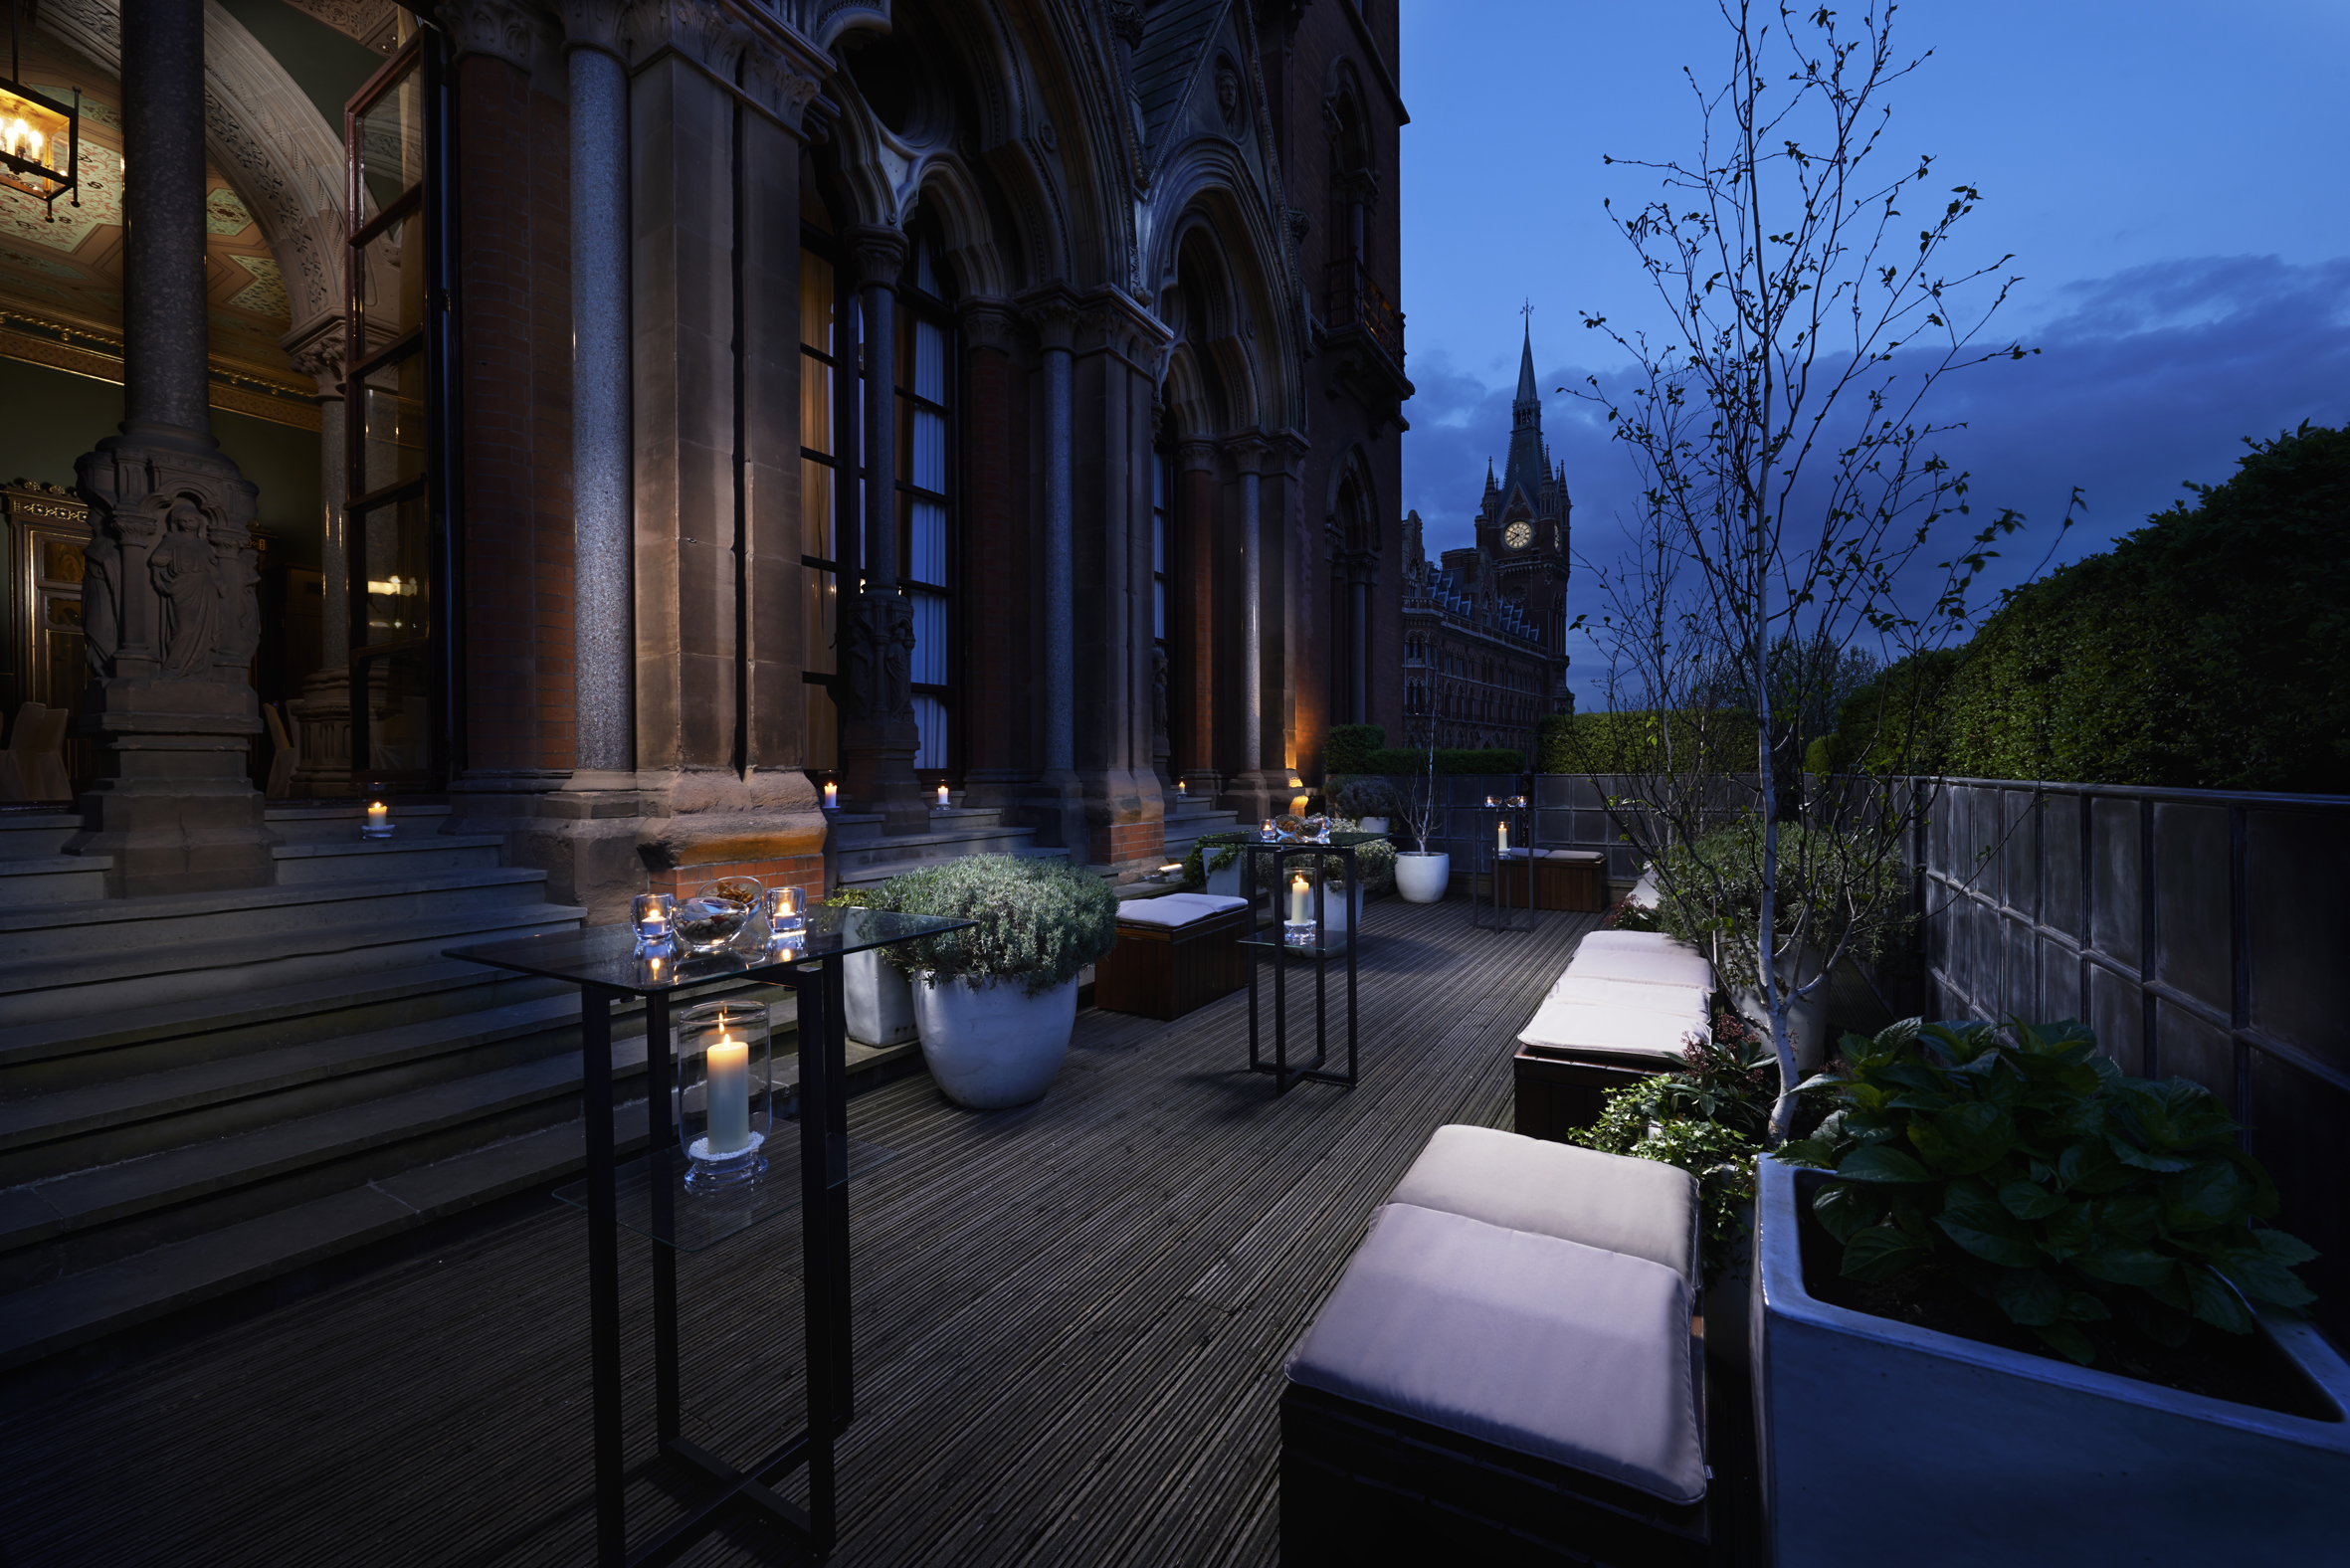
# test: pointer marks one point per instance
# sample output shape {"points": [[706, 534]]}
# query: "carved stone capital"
{"points": [[501, 29], [603, 24], [1054, 310], [880, 253], [778, 82], [317, 350], [1196, 457], [988, 322]]}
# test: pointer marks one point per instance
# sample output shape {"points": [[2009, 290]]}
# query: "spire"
{"points": [[1527, 467], [1527, 408]]}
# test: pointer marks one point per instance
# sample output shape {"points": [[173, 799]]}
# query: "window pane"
{"points": [[931, 727], [391, 144], [926, 270], [930, 360], [400, 713], [815, 404], [929, 660], [398, 545], [1158, 481], [928, 466], [819, 298], [391, 282], [816, 511], [926, 553], [392, 438], [1158, 545], [1158, 610]]}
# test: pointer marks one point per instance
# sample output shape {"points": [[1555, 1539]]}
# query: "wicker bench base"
{"points": [[1360, 1485]]}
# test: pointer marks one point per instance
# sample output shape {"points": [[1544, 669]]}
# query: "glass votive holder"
{"points": [[1300, 896], [787, 912], [1266, 831], [725, 1098], [653, 917]]}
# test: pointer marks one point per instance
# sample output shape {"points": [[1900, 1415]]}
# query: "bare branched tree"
{"points": [[1793, 498]]}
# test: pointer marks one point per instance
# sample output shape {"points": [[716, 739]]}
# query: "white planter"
{"points": [[1421, 879], [1807, 1019], [1226, 883], [1372, 824], [1335, 907], [993, 1047], [878, 1006], [2017, 1460]]}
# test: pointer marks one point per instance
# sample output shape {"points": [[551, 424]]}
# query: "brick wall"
{"points": [[1117, 842], [803, 871]]}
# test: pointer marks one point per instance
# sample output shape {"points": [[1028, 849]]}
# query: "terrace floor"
{"points": [[1069, 1322]]}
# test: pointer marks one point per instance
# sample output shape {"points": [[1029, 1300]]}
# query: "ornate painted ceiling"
{"points": [[61, 283]]}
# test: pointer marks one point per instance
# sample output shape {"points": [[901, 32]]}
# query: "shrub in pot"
{"points": [[1369, 802], [996, 1003], [2001, 1221]]}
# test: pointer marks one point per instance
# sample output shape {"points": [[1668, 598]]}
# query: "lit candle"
{"points": [[1502, 836], [1267, 829], [942, 801], [1300, 901], [378, 814], [728, 1067], [1182, 787], [831, 797]]}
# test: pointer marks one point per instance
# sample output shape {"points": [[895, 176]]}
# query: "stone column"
{"points": [[1248, 789], [877, 736], [603, 626], [1358, 677], [999, 744], [168, 602], [321, 715], [1195, 620], [1055, 803]]}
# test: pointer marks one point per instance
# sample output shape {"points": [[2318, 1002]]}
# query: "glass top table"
{"points": [[1257, 840], [606, 955]]}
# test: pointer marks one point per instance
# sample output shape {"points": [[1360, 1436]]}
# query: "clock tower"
{"points": [[1522, 521]]}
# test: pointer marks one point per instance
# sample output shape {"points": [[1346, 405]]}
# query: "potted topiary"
{"points": [[994, 1004], [1422, 875], [1369, 801], [2013, 1270], [878, 1006]]}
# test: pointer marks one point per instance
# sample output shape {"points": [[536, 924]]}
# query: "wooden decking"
{"points": [[1070, 1325]]}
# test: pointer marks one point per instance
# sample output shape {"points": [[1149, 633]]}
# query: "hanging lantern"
{"points": [[40, 138]]}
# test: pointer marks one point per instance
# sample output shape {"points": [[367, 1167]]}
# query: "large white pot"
{"points": [[1422, 878], [992, 1047], [2021, 1459], [877, 1004], [1807, 1019], [1226, 883]]}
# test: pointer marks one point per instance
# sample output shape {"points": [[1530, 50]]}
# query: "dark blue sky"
{"points": [[2168, 177]]}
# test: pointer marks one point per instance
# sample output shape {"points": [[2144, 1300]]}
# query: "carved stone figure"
{"points": [[1227, 93], [182, 570], [102, 560], [243, 635], [897, 653]]}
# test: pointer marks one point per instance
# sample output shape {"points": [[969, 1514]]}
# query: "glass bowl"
{"points": [[712, 918]]}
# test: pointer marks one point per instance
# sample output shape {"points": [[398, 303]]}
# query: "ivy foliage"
{"points": [[1039, 920], [2049, 1181]]}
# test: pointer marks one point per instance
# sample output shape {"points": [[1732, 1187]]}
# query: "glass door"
{"points": [[396, 475]]}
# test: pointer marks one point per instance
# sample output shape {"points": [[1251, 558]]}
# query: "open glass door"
{"points": [[397, 479]]}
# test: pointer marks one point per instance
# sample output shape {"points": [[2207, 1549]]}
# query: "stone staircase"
{"points": [[1188, 819], [200, 1092], [862, 854]]}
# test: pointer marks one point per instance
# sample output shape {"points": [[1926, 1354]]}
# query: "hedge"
{"points": [[1348, 748], [1403, 760], [1635, 742]]}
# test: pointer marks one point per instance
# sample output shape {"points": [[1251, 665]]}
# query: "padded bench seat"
{"points": [[1626, 1007], [1174, 953], [1516, 1382]]}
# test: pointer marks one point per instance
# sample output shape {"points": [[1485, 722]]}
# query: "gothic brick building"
{"points": [[717, 399], [1484, 626]]}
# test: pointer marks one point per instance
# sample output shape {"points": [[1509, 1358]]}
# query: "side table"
{"points": [[1273, 854], [649, 1196], [1504, 914]]}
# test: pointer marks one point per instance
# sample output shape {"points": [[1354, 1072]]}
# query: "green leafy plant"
{"points": [[1039, 920], [1833, 888], [2040, 1176]]}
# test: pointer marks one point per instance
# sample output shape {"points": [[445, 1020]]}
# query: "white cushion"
{"points": [[1641, 1208], [1684, 1001], [1632, 941], [1546, 1347], [1649, 968], [1639, 1036], [1176, 908], [1580, 856]]}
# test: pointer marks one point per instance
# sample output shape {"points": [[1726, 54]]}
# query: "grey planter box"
{"points": [[1880, 1440]]}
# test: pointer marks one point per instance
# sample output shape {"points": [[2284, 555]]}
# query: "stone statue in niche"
{"points": [[181, 569], [102, 560], [244, 591], [1227, 93]]}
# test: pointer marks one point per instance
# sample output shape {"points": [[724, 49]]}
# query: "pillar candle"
{"points": [[728, 1066], [1300, 908], [1181, 788], [1502, 836], [377, 814], [942, 799], [831, 797]]}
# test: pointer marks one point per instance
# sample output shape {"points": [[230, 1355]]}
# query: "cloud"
{"points": [[2145, 378]]}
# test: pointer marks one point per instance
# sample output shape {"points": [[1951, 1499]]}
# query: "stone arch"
{"points": [[1205, 306], [952, 197], [265, 137], [1203, 186]]}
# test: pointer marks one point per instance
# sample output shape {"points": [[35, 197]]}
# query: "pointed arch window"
{"points": [[925, 494]]}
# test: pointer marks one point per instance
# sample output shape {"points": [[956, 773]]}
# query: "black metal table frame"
{"points": [[1283, 1075], [1504, 917], [824, 1131]]}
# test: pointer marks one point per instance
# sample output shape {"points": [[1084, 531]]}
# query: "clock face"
{"points": [[1520, 534]]}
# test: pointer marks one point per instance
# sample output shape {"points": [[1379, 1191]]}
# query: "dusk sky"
{"points": [[2168, 176]]}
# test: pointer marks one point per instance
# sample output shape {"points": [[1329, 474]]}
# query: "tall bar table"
{"points": [[1254, 848], [649, 1196], [1495, 815]]}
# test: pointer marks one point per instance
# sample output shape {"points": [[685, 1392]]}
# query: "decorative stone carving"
{"points": [[501, 29], [189, 593], [877, 659], [601, 24], [1126, 21], [1159, 696], [1228, 95], [987, 323], [880, 253]]}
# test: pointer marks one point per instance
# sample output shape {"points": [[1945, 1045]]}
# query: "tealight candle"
{"points": [[1300, 901], [831, 797], [728, 1070], [1265, 832], [784, 912], [649, 915]]}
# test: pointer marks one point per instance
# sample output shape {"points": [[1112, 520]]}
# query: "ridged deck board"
{"points": [[1070, 1325]]}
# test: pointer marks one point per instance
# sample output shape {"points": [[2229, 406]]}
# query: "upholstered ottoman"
{"points": [[1563, 879], [1173, 954], [1476, 1394]]}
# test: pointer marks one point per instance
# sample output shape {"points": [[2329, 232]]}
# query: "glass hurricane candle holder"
{"points": [[787, 914], [726, 1094], [379, 821], [1266, 831], [1300, 898], [653, 916]]}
